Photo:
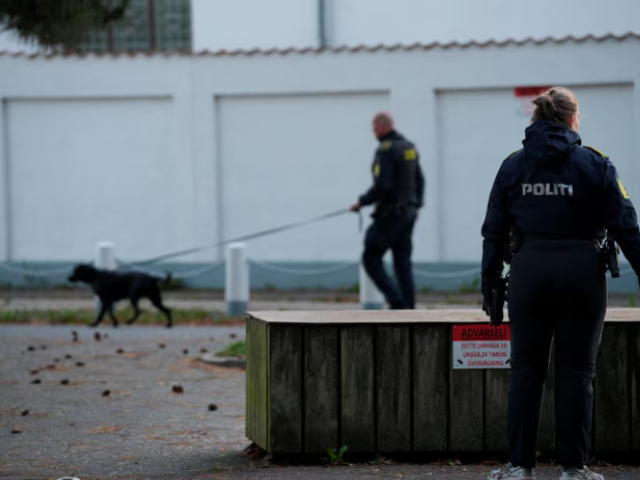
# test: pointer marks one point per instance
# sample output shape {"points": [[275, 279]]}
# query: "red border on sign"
{"points": [[470, 333]]}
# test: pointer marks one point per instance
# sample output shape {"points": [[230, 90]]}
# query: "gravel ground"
{"points": [[142, 428]]}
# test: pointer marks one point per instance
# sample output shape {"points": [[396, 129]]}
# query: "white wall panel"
{"points": [[480, 128], [289, 158], [91, 170]]}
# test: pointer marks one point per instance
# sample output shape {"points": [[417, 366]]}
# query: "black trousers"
{"points": [[393, 232], [557, 288]]}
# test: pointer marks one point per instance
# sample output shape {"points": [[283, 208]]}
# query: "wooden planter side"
{"points": [[612, 396], [431, 363], [391, 388], [394, 410], [321, 388], [357, 396], [285, 389], [257, 383], [634, 385]]}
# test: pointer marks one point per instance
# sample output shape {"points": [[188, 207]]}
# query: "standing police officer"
{"points": [[562, 198], [398, 192]]}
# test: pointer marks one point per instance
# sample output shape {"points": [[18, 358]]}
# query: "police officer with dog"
{"points": [[398, 193], [552, 205]]}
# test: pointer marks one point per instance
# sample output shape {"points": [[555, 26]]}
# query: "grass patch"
{"points": [[79, 316], [355, 288], [174, 284], [236, 349], [453, 300], [269, 287], [470, 287]]}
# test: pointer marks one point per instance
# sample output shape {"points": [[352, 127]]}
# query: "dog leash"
{"points": [[251, 236]]}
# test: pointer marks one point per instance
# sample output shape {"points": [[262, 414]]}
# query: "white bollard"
{"points": [[370, 297], [105, 256], [236, 285], [104, 259]]}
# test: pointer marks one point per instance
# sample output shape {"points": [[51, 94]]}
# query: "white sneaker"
{"points": [[580, 474], [513, 473]]}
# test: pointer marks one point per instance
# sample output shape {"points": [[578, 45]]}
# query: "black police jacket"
{"points": [[554, 186], [397, 177]]}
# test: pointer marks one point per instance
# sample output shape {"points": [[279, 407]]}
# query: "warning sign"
{"points": [[525, 96], [481, 346]]}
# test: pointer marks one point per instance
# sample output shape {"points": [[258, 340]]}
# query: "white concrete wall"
{"points": [[202, 139], [292, 157], [247, 24], [485, 119], [86, 170], [97, 150]]}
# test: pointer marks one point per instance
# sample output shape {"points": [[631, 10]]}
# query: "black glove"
{"points": [[499, 295], [486, 304], [493, 303]]}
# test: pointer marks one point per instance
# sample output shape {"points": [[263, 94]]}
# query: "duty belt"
{"points": [[537, 237]]}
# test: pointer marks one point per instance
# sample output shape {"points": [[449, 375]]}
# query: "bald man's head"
{"points": [[382, 124]]}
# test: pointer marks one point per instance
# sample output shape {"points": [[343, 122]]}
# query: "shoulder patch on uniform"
{"points": [[623, 190], [596, 151], [410, 154], [386, 145]]}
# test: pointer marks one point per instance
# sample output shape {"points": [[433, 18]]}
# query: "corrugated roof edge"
{"points": [[343, 49]]}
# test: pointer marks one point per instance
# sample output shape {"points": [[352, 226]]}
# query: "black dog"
{"points": [[111, 287]]}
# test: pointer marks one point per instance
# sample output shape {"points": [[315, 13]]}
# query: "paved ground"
{"points": [[200, 304], [406, 472], [142, 429], [21, 302], [213, 300]]}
